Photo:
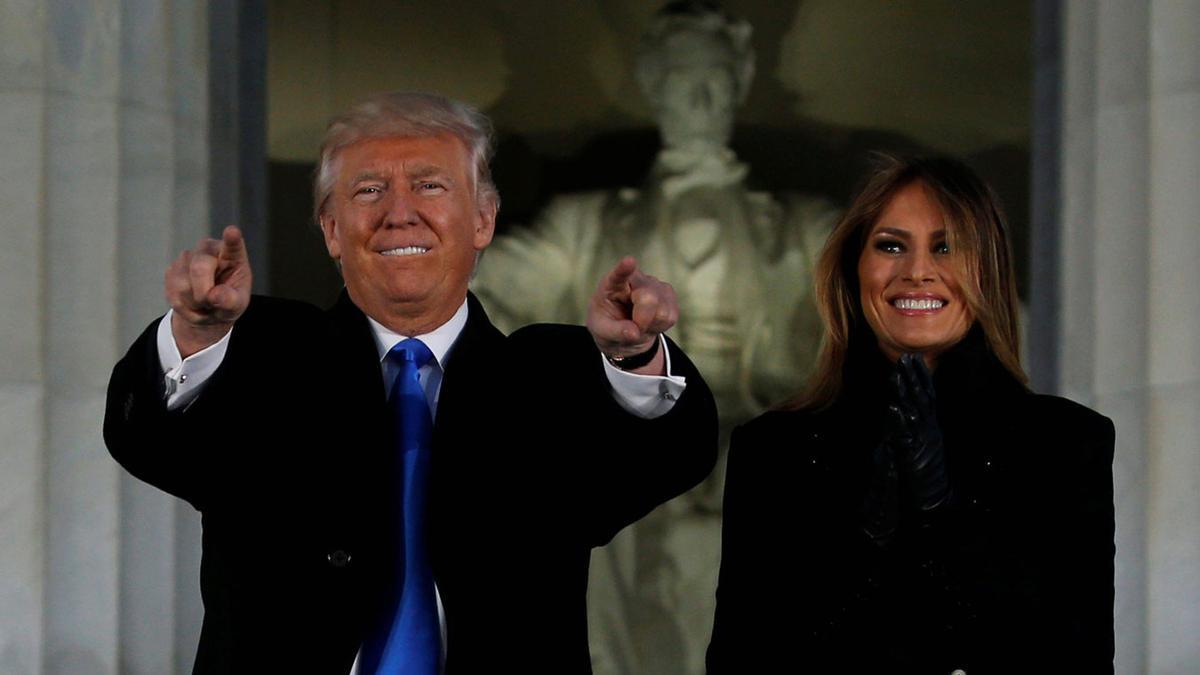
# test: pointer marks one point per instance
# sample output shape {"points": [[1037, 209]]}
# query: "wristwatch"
{"points": [[635, 361]]}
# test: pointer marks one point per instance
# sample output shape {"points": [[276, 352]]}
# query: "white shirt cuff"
{"points": [[646, 396], [185, 378]]}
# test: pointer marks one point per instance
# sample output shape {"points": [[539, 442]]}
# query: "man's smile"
{"points": [[405, 251]]}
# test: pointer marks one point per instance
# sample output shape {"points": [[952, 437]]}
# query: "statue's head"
{"points": [[695, 65]]}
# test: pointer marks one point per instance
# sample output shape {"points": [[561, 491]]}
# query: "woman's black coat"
{"points": [[1018, 578]]}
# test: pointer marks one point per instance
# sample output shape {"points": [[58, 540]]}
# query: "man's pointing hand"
{"points": [[209, 288], [629, 311]]}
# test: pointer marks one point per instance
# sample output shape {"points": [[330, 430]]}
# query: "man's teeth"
{"points": [[914, 303], [407, 250]]}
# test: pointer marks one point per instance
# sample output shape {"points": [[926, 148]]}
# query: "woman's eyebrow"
{"points": [[905, 234]]}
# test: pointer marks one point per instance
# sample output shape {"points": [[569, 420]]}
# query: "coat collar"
{"points": [[968, 375], [476, 349]]}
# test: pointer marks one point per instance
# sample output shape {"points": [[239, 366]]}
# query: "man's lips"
{"points": [[404, 251]]}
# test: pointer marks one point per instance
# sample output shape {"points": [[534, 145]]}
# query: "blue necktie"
{"points": [[409, 641]]}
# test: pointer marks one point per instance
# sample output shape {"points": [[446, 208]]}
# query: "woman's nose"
{"points": [[919, 266]]}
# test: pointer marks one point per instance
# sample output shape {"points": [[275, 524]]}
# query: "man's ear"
{"points": [[485, 225], [329, 229]]}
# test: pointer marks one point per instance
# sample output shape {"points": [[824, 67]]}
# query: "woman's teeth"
{"points": [[915, 303]]}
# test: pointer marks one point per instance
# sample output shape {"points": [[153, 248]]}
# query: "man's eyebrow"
{"points": [[367, 175], [420, 171], [413, 172]]}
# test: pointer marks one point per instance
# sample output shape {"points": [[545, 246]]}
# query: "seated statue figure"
{"points": [[741, 261]]}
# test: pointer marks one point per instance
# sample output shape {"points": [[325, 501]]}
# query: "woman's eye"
{"points": [[941, 247], [889, 246]]}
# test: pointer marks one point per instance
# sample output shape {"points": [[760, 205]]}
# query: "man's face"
{"points": [[404, 222], [697, 94]]}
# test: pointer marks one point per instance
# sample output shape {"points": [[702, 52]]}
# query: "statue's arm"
{"points": [[528, 274], [785, 329]]}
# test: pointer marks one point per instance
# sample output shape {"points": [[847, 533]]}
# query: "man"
{"points": [[274, 419], [742, 262]]}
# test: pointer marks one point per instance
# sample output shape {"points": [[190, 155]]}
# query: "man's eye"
{"points": [[368, 190], [428, 186]]}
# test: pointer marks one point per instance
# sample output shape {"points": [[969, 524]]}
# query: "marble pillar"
{"points": [[22, 385], [1128, 333], [103, 175], [1173, 507]]}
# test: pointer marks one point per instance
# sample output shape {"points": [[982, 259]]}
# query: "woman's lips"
{"points": [[916, 305]]}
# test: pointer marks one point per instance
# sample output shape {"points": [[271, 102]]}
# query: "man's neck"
{"points": [[411, 320], [440, 339]]}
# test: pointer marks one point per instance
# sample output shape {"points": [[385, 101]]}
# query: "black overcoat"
{"points": [[1018, 578], [287, 455]]}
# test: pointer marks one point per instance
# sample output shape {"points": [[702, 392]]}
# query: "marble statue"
{"points": [[741, 262]]}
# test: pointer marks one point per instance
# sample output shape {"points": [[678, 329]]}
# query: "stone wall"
{"points": [[1128, 331], [103, 175]]}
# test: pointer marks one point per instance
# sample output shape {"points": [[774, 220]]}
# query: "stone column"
{"points": [[103, 174], [238, 124], [22, 349], [1173, 507], [1128, 333]]}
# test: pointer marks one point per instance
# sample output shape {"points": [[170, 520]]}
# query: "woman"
{"points": [[918, 509]]}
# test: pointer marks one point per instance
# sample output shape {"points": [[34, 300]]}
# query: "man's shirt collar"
{"points": [[440, 340]]}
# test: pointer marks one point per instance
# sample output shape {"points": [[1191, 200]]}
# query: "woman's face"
{"points": [[908, 284]]}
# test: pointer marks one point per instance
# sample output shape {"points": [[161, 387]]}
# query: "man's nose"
{"points": [[401, 210], [702, 96]]}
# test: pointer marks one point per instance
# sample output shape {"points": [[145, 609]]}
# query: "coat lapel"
{"points": [[475, 357], [356, 350]]}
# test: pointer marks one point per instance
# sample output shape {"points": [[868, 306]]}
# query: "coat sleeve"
{"points": [[1088, 579], [612, 467], [205, 449], [152, 443], [1035, 556], [739, 612]]}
